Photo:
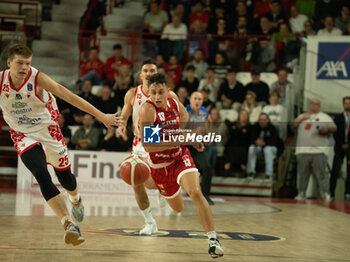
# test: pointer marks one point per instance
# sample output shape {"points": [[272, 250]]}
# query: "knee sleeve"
{"points": [[67, 179], [34, 159]]}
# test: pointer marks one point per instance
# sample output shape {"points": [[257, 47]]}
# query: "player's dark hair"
{"points": [[158, 79], [149, 62], [21, 50]]}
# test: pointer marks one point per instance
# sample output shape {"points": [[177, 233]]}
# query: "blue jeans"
{"points": [[93, 76], [212, 152], [269, 154]]}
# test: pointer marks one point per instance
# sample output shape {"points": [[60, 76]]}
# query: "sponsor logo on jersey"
{"points": [[21, 111], [19, 105], [62, 151], [18, 97], [24, 120], [30, 87]]}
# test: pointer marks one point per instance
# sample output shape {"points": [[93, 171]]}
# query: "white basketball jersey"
{"points": [[27, 109], [139, 99]]}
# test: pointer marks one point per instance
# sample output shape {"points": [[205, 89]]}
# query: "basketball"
{"points": [[134, 170]]}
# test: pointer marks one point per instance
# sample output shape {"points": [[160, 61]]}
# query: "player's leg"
{"points": [[190, 182], [35, 160], [149, 184]]}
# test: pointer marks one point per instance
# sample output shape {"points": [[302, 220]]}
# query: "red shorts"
{"points": [[167, 179]]}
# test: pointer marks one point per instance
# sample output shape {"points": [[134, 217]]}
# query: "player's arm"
{"points": [[127, 108], [183, 112], [45, 82]]}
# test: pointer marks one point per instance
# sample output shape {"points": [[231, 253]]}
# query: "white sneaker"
{"points": [[327, 197], [161, 200], [215, 249], [300, 196], [149, 228]]}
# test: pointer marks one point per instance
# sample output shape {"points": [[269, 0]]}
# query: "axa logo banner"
{"points": [[333, 61]]}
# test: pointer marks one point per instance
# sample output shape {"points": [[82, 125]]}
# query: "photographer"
{"points": [[313, 142]]}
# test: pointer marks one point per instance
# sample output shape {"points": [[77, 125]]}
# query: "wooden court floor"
{"points": [[250, 229]]}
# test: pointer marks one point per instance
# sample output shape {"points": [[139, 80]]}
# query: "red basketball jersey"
{"points": [[169, 121]]}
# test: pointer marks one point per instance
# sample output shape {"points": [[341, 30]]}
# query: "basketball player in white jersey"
{"points": [[30, 109], [133, 101]]}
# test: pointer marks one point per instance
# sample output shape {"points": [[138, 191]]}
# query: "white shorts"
{"points": [[52, 142]]}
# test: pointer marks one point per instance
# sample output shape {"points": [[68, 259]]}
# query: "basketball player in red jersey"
{"points": [[133, 101], [172, 166], [30, 109]]}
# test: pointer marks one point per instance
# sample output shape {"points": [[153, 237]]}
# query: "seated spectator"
{"points": [[347, 32], [252, 107], [86, 137], [330, 29], [190, 82], [220, 39], [207, 103], [259, 88], [122, 83], [265, 27], [174, 70], [342, 21], [297, 20], [277, 114], [198, 39], [231, 92], [241, 28], [182, 94], [213, 20], [261, 8], [263, 141], [116, 141], [113, 64], [86, 92], [308, 29], [212, 83], [105, 103], [263, 55], [275, 16], [220, 65], [285, 6], [67, 134], [180, 11], [198, 14], [199, 64], [159, 60], [92, 68], [173, 39], [238, 142], [241, 10], [155, 21]]}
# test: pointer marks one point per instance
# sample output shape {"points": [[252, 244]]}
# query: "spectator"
{"points": [[67, 134], [116, 141], [252, 107], [285, 6], [199, 64], [260, 88], [213, 20], [308, 29], [122, 83], [264, 140], [207, 103], [180, 11], [313, 141], [231, 92], [220, 65], [191, 82], [105, 103], [297, 20], [329, 29], [343, 20], [159, 60], [265, 27], [286, 92], [347, 32], [199, 15], [275, 16], [198, 121], [155, 20], [241, 28], [341, 148], [325, 8], [182, 94], [238, 142], [92, 68], [212, 83], [261, 8], [86, 92], [113, 64], [173, 69], [173, 39], [277, 114], [198, 39], [263, 55], [306, 7], [86, 137]]}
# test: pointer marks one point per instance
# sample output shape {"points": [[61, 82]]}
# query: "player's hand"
{"points": [[112, 119], [199, 147]]}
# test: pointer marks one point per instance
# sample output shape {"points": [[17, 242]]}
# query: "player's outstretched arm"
{"points": [[126, 110], [45, 82]]}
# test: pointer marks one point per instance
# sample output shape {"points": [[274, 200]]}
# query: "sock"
{"points": [[74, 199], [211, 234], [66, 220], [147, 214]]}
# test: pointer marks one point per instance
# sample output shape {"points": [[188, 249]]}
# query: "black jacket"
{"points": [[339, 136], [268, 134]]}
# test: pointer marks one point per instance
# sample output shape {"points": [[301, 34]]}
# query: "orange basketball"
{"points": [[134, 170]]}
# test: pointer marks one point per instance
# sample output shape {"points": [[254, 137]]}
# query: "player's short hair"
{"points": [[159, 79], [19, 49], [149, 62]]}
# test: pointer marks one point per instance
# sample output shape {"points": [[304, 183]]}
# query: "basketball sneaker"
{"points": [[161, 200], [149, 228], [78, 210], [300, 196], [73, 235], [215, 249]]}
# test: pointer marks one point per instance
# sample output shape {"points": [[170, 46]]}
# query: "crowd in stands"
{"points": [[200, 46]]}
